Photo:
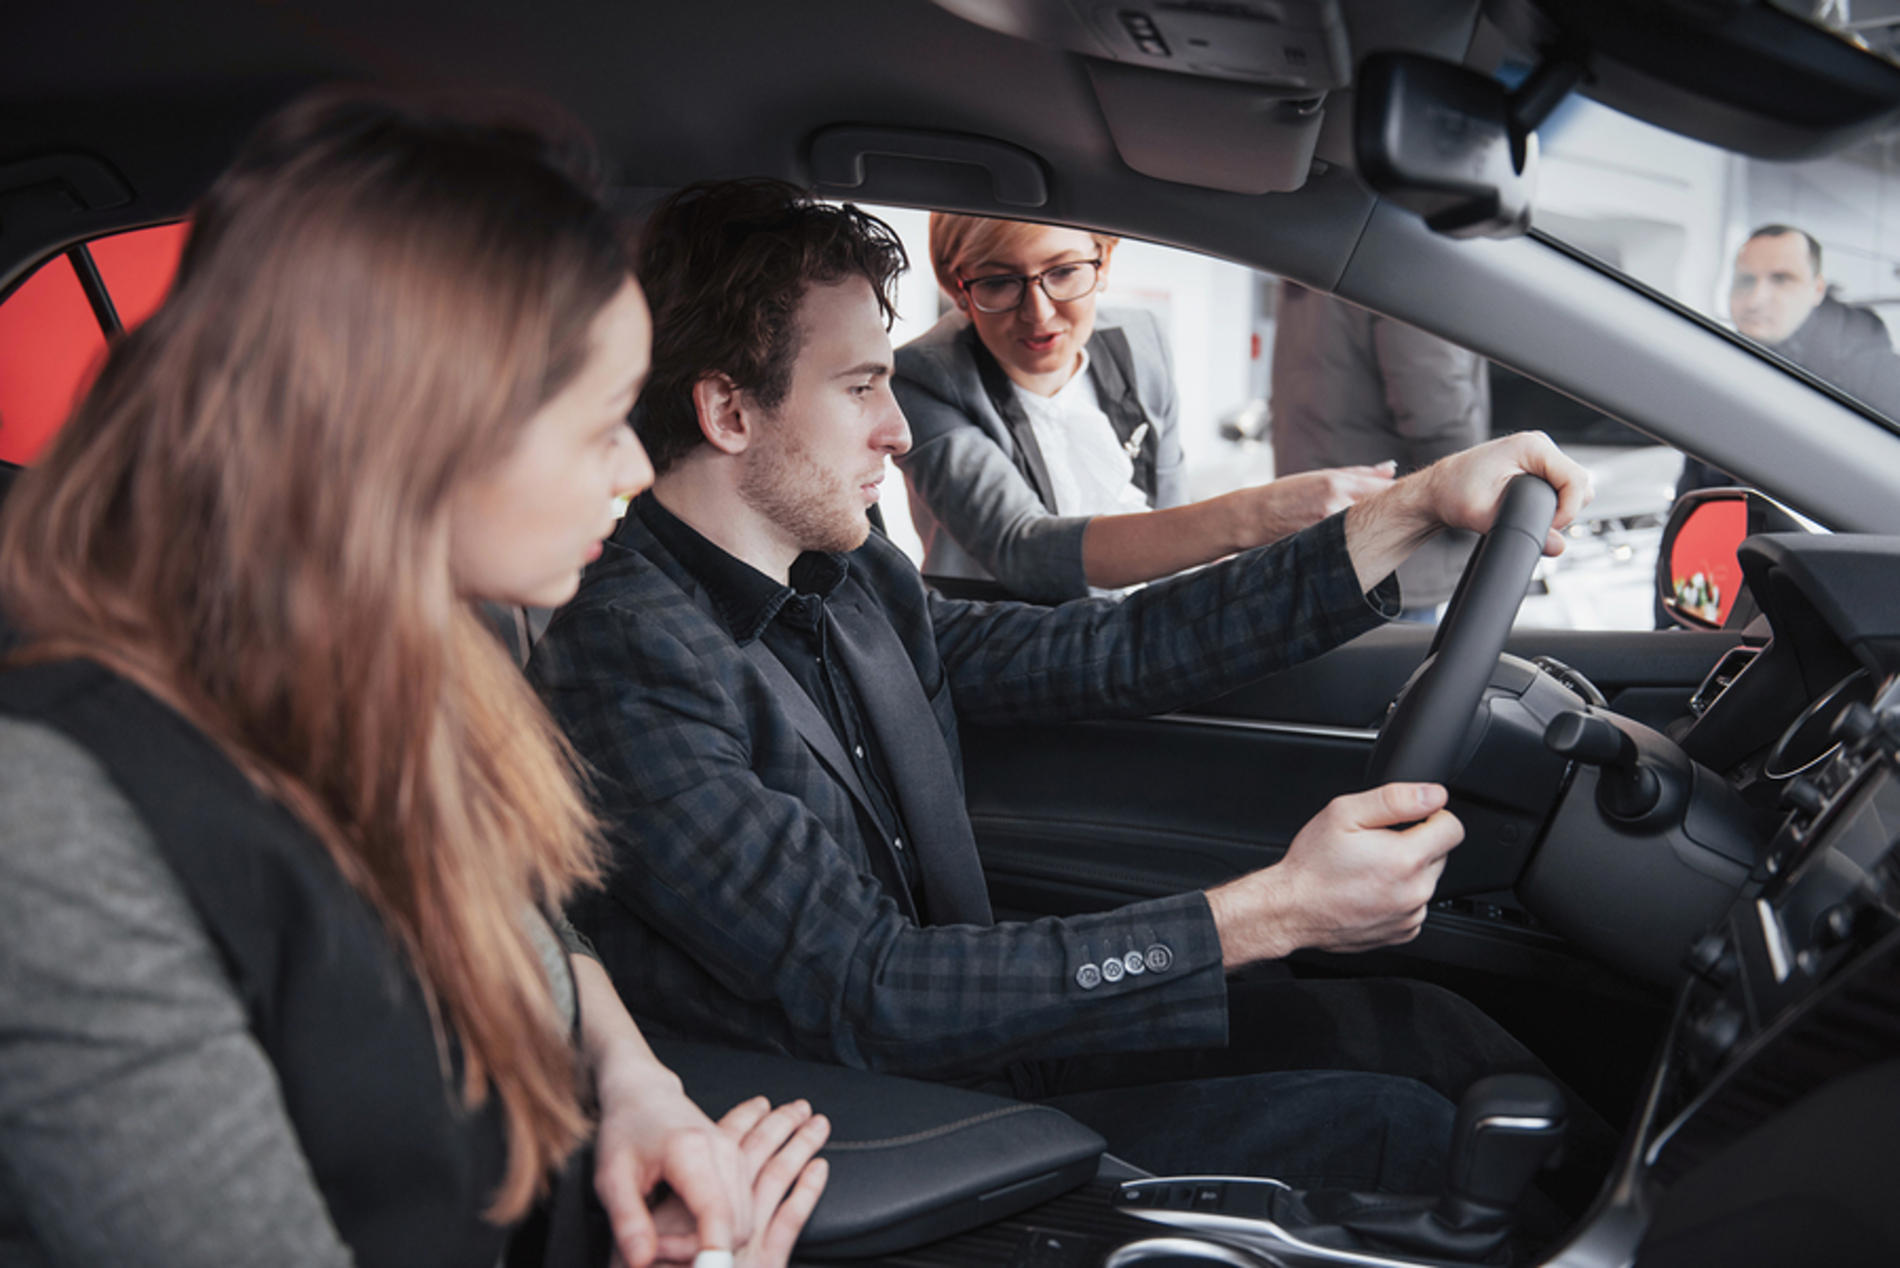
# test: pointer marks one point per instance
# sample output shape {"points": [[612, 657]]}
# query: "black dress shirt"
{"points": [[794, 625]]}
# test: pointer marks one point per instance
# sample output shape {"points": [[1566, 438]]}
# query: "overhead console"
{"points": [[1223, 94], [1295, 47]]}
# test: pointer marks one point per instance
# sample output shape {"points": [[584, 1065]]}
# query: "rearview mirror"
{"points": [[1698, 581], [1442, 140]]}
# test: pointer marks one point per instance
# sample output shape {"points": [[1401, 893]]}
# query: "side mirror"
{"points": [[1698, 581]]}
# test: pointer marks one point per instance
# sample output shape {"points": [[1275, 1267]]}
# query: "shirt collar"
{"points": [[1078, 389], [746, 599]]}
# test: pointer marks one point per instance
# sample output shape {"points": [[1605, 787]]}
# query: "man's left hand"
{"points": [[1461, 491]]}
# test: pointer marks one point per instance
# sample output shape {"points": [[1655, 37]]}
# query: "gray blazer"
{"points": [[971, 497]]}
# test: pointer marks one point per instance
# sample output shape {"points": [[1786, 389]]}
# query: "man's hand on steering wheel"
{"points": [[1362, 872], [1461, 491], [1357, 876]]}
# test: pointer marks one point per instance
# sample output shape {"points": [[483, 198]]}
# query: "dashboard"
{"points": [[1778, 1092]]}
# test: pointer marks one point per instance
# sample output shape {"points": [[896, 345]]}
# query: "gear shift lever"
{"points": [[1508, 1126]]}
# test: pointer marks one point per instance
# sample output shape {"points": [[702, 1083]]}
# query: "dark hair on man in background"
{"points": [[1782, 231], [724, 266]]}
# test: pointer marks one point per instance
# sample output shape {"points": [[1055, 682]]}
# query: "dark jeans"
{"points": [[1322, 1084], [1313, 1129]]}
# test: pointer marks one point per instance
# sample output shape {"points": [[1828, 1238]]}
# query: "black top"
{"points": [[794, 623], [405, 1170]]}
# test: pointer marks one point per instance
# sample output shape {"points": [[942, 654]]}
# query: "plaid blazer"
{"points": [[741, 905]]}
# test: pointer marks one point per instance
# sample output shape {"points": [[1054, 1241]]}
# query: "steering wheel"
{"points": [[1422, 738]]}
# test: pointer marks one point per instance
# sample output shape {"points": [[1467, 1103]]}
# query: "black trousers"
{"points": [[1322, 1084]]}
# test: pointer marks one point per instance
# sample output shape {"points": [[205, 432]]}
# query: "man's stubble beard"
{"points": [[783, 483]]}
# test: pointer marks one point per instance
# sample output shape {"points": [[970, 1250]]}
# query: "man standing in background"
{"points": [[1353, 388], [1779, 299]]}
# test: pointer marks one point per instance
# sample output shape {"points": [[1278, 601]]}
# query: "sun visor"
{"points": [[1213, 133], [1221, 94]]}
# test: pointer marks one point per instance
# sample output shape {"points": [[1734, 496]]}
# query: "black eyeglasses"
{"points": [[1064, 284]]}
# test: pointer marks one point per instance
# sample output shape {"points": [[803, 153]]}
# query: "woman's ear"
{"points": [[723, 417], [960, 299], [1108, 252]]}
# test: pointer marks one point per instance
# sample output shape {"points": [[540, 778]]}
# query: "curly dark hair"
{"points": [[725, 265]]}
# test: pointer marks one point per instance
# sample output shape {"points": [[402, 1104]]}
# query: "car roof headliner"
{"points": [[672, 93], [708, 88]]}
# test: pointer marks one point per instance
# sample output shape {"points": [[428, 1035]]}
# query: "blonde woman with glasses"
{"points": [[1045, 453]]}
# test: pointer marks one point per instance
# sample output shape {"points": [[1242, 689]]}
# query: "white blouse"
{"points": [[1090, 471]]}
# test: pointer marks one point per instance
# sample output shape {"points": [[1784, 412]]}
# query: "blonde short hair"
{"points": [[955, 240]]}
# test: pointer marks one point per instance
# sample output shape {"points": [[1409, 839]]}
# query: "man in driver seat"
{"points": [[772, 699]]}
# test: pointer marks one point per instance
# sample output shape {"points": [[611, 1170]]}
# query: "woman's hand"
{"points": [[746, 1184], [779, 1148], [1128, 550], [1284, 506]]}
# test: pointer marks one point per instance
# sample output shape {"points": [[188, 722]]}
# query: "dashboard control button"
{"points": [[1855, 724], [1716, 1032], [1836, 925], [1804, 797], [1712, 958]]}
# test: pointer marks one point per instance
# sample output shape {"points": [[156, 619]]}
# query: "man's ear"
{"points": [[724, 415]]}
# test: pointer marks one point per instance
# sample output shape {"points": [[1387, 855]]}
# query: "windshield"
{"points": [[1799, 258], [1871, 24]]}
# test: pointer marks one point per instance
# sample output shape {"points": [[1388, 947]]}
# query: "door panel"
{"points": [[1080, 816], [1651, 673], [1088, 816]]}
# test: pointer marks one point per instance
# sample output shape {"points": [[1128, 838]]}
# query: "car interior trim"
{"points": [[1305, 729]]}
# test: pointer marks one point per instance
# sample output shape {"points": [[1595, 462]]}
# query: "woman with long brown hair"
{"points": [[279, 818]]}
